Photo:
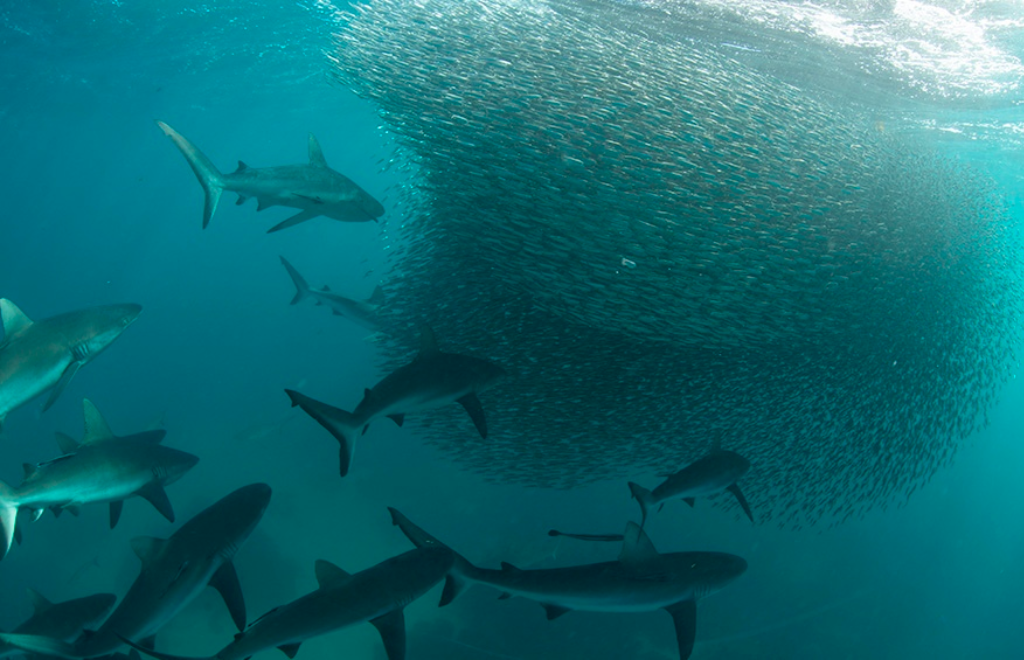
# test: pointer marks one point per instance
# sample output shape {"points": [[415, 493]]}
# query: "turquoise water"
{"points": [[99, 208]]}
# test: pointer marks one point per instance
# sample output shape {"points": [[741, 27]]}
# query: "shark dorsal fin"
{"points": [[67, 444], [146, 548], [14, 319], [241, 168], [327, 573], [96, 428], [326, 289], [377, 297], [637, 548], [289, 649], [316, 154], [428, 343], [39, 604]]}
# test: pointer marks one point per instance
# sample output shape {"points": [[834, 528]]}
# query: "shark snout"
{"points": [[183, 462]]}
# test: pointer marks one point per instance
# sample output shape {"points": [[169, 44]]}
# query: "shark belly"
{"points": [[631, 597], [151, 602], [27, 369]]}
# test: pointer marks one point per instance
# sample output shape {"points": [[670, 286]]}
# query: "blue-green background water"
{"points": [[99, 208]]}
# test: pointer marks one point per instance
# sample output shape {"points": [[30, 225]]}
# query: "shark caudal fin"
{"points": [[462, 571], [209, 177], [344, 426], [643, 498], [301, 286], [8, 517]]}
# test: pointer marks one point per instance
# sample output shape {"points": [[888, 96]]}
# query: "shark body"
{"points": [[314, 188], [102, 468], [378, 594], [174, 571], [62, 620], [361, 312], [37, 356], [431, 380], [715, 473], [641, 580]]}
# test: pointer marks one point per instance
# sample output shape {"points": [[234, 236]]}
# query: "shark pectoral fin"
{"points": [[294, 220], [453, 586], [476, 412], [225, 581], [290, 649], [36, 514], [684, 616], [65, 378], [735, 490], [397, 418], [392, 632], [262, 204], [328, 573], [115, 512], [554, 611], [155, 494], [74, 510], [689, 500], [17, 536], [40, 644], [241, 200]]}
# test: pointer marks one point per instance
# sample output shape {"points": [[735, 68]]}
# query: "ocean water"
{"points": [[100, 208]]}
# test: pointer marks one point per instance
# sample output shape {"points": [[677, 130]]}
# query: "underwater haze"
{"points": [[790, 230]]}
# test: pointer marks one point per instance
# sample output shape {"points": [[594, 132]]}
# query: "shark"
{"points": [[641, 580], [174, 571], [433, 379], [102, 468], [361, 312], [378, 594], [62, 620], [314, 188], [46, 355], [717, 472]]}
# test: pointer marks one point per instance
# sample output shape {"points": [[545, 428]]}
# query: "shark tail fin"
{"points": [[209, 176], [462, 572], [643, 498], [301, 286], [8, 517], [344, 426]]}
